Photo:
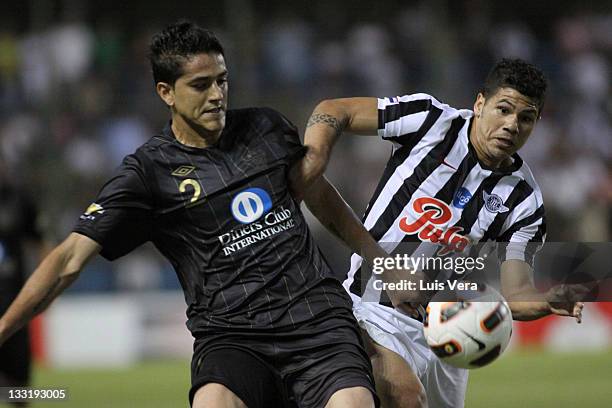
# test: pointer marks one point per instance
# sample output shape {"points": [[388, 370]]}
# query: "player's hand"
{"points": [[566, 300], [571, 310], [406, 301], [409, 308], [305, 172]]}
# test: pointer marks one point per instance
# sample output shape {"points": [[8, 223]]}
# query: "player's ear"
{"points": [[478, 104], [166, 92]]}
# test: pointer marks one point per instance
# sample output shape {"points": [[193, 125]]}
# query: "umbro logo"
{"points": [[183, 171], [92, 212], [94, 208]]}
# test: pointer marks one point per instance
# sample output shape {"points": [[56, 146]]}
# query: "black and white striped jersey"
{"points": [[435, 191], [224, 218]]}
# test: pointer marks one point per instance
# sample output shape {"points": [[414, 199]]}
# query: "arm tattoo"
{"points": [[326, 119], [45, 299]]}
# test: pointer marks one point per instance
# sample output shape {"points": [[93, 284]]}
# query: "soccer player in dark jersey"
{"points": [[19, 235], [272, 327], [454, 178]]}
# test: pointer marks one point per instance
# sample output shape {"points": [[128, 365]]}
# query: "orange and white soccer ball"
{"points": [[470, 332]]}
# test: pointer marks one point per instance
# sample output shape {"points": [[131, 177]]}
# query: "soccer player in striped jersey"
{"points": [[454, 178]]}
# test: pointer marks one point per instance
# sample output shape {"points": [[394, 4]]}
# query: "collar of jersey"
{"points": [[168, 134]]}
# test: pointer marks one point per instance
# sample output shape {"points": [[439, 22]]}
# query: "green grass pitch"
{"points": [[531, 379]]}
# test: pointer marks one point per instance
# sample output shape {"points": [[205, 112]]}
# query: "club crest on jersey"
{"points": [[462, 197], [433, 215], [183, 171], [250, 204], [494, 203]]}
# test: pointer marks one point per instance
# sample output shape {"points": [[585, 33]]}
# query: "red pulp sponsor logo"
{"points": [[433, 215]]}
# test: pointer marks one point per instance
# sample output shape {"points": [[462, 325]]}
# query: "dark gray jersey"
{"points": [[224, 218]]}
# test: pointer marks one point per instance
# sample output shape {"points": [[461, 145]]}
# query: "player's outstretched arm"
{"points": [[527, 303], [328, 206], [54, 274], [337, 216], [328, 120]]}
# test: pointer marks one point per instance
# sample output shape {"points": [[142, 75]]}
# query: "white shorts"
{"points": [[445, 385]]}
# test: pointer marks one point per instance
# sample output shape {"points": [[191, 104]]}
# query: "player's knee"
{"points": [[214, 395], [401, 395], [398, 388], [415, 398], [357, 397]]}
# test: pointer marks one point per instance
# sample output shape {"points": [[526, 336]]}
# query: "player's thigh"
{"points": [[214, 395], [356, 397], [233, 377], [333, 380], [396, 383], [327, 363]]}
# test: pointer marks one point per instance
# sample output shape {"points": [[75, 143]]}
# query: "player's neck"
{"points": [[480, 152], [482, 157], [186, 134]]}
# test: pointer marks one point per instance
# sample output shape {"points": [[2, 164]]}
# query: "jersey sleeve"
{"points": [[120, 219], [402, 118], [524, 238], [291, 145]]}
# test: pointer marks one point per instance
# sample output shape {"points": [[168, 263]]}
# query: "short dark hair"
{"points": [[520, 75], [177, 43]]}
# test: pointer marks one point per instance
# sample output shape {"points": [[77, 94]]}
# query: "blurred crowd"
{"points": [[76, 94]]}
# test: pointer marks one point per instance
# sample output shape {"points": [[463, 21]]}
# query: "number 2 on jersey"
{"points": [[197, 189]]}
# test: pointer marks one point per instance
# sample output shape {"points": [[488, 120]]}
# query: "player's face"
{"points": [[199, 96], [502, 125]]}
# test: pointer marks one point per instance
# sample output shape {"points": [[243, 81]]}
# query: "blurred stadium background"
{"points": [[76, 96]]}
